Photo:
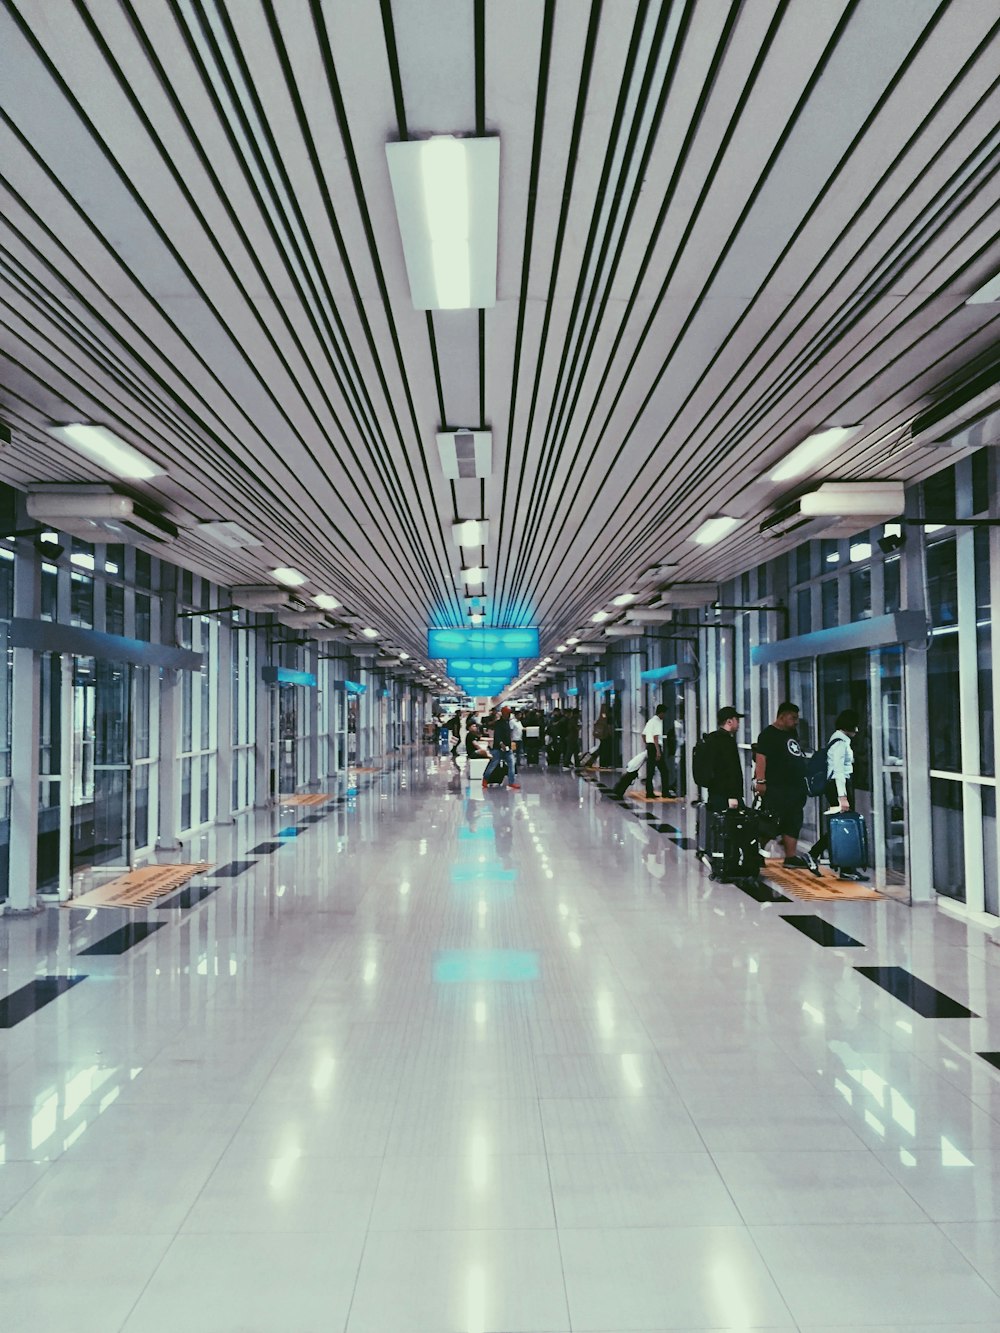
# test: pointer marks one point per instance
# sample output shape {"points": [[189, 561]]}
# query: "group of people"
{"points": [[557, 733], [779, 777]]}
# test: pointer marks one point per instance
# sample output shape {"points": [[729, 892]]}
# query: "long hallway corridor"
{"points": [[452, 1061]]}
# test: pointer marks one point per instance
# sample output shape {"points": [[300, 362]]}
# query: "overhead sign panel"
{"points": [[457, 666], [482, 645]]}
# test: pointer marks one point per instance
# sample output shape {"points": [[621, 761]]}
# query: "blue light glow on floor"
{"points": [[485, 965]]}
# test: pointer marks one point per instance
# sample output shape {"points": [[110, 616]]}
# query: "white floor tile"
{"points": [[250, 1283], [291, 1193], [639, 1190], [441, 1280], [475, 1191], [669, 1277], [83, 1282], [889, 1274], [814, 1187]]}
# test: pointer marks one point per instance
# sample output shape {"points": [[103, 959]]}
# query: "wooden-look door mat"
{"points": [[366, 770], [305, 798], [641, 796], [139, 888], [804, 885]]}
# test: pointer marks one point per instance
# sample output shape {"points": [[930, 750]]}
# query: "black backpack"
{"points": [[701, 762]]}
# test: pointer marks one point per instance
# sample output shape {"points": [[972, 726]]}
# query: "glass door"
{"points": [[101, 827], [287, 734], [871, 683]]}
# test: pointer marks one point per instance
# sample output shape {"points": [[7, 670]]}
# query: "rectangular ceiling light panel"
{"points": [[447, 195], [465, 453], [108, 449]]}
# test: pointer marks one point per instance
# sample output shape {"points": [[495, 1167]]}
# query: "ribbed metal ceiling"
{"points": [[722, 226]]}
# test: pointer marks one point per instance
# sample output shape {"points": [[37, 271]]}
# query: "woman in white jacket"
{"points": [[840, 779]]}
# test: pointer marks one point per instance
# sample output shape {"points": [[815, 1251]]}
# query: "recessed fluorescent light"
{"points": [[599, 616], [471, 532], [291, 578], [990, 291], [561, 648], [477, 618], [370, 633], [714, 529], [404, 657], [861, 551], [325, 602], [447, 195], [109, 450], [473, 573], [933, 527], [573, 639], [623, 599], [813, 449]]}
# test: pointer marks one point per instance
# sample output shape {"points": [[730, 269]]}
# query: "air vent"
{"points": [[99, 514], [465, 453], [837, 509]]}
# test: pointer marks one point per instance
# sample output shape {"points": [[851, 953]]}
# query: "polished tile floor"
{"points": [[447, 1061]]}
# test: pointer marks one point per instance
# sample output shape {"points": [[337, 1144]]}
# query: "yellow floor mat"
{"points": [[804, 885], [139, 888], [305, 798], [641, 796]]}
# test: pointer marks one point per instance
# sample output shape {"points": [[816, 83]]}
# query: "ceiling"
{"points": [[723, 226]]}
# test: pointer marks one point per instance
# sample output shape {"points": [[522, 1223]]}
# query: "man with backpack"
{"points": [[716, 763], [727, 830]]}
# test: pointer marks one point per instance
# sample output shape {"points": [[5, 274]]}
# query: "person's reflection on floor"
{"points": [[503, 827]]}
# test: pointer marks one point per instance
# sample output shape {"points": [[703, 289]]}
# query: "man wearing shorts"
{"points": [[780, 779]]}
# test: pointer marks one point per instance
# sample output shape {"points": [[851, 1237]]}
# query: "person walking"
{"points": [[840, 781], [780, 781], [516, 739], [501, 750], [604, 732], [726, 781], [652, 734]]}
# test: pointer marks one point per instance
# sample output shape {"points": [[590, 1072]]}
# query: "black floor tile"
{"points": [[823, 932], [187, 898], [263, 848], [686, 844], [22, 1003], [916, 994], [125, 938], [993, 1057], [761, 891], [233, 868]]}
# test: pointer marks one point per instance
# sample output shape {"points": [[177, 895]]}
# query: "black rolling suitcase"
{"points": [[728, 842], [495, 779]]}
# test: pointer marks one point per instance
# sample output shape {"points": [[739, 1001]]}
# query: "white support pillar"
{"points": [[224, 721], [918, 758], [265, 752], [313, 696], [169, 839], [25, 701]]}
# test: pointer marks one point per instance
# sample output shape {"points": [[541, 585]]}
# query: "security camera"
{"points": [[891, 543], [47, 547]]}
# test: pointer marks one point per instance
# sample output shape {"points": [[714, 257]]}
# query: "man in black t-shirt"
{"points": [[780, 779]]}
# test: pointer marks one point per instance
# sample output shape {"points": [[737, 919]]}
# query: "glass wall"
{"points": [[199, 693]]}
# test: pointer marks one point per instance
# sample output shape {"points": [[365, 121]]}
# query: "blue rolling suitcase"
{"points": [[849, 841]]}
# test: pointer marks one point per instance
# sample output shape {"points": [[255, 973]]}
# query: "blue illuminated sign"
{"points": [[482, 645], [601, 685], [679, 671], [574, 690], [352, 687], [285, 676]]}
